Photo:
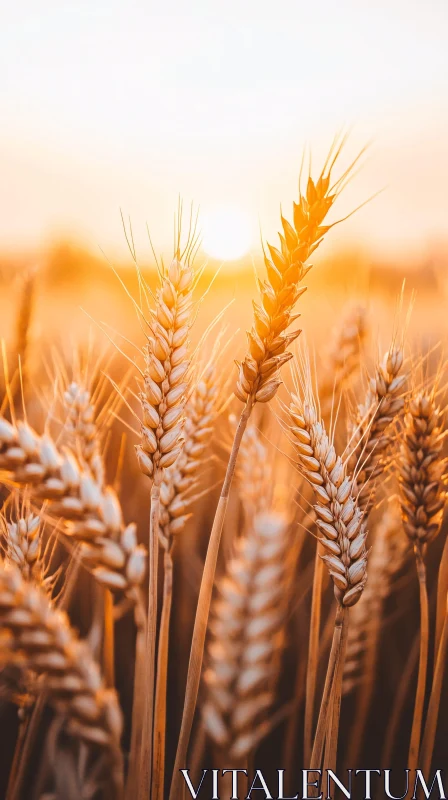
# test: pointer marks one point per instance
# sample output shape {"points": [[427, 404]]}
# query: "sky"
{"points": [[127, 105]]}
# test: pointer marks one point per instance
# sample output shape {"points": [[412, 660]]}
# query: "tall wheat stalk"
{"points": [[162, 397], [429, 735], [258, 381], [342, 362], [177, 497], [423, 497], [342, 536]]}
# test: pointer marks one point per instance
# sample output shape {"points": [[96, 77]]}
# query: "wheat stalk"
{"points": [[162, 398], [176, 497], [341, 362], [46, 645], [258, 381], [342, 535], [423, 497]]}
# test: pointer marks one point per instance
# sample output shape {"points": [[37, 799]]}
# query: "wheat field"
{"points": [[221, 549]]}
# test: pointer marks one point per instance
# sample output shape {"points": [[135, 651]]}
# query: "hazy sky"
{"points": [[127, 104]]}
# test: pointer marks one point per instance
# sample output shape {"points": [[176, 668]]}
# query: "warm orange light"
{"points": [[227, 233]]}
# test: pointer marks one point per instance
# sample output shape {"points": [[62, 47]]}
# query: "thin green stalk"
{"points": [[203, 610], [158, 773], [145, 770], [416, 730]]}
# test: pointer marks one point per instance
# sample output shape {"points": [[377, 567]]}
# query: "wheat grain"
{"points": [[47, 646], [421, 469], [92, 516], [342, 530], [268, 340], [23, 545], [423, 497], [247, 637], [163, 398], [372, 428], [163, 395], [82, 426], [181, 479], [343, 356]]}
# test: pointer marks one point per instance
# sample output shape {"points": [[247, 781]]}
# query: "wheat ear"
{"points": [[341, 362], [82, 425], [22, 542], [247, 638], [423, 498], [176, 497], [92, 516], [258, 381], [342, 535], [373, 428], [342, 359], [162, 397], [46, 645]]}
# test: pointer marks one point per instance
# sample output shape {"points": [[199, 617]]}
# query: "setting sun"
{"points": [[227, 233]]}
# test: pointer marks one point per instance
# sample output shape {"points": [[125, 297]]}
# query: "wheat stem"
{"points": [[138, 707], [108, 640], [399, 702], [336, 697], [414, 745], [319, 738], [15, 779], [313, 653], [161, 683], [442, 591], [203, 610], [151, 636], [434, 701]]}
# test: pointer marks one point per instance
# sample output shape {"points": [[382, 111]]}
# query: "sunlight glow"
{"points": [[227, 233]]}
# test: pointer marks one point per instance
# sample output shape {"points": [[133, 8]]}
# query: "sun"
{"points": [[227, 233]]}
